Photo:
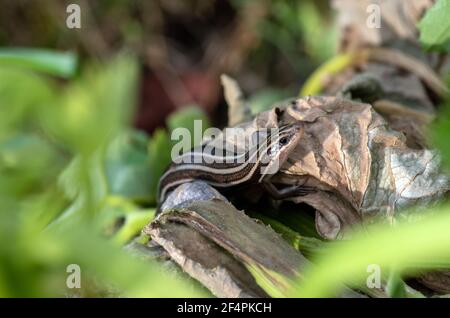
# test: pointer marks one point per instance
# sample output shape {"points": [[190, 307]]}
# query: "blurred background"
{"points": [[182, 47]]}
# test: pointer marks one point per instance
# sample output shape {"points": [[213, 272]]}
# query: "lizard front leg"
{"points": [[288, 192]]}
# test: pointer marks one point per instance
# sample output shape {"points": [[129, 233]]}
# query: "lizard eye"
{"points": [[283, 141]]}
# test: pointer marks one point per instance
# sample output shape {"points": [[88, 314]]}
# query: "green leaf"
{"points": [[22, 95], [335, 65], [33, 264], [406, 247], [134, 223], [273, 283], [21, 175], [50, 62], [160, 145], [159, 159], [298, 220], [128, 168], [265, 99], [308, 246], [435, 27], [439, 131], [97, 106], [186, 118], [50, 217], [396, 286], [319, 36]]}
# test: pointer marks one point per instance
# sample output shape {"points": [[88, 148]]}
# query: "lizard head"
{"points": [[282, 142]]}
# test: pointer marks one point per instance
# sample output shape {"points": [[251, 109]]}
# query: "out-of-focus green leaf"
{"points": [[187, 117], [95, 107], [308, 246], [314, 84], [265, 99], [47, 61], [55, 198], [159, 159], [439, 131], [295, 27], [38, 211], [28, 164], [84, 182], [134, 223], [405, 247], [435, 27], [128, 167], [37, 267], [298, 220], [320, 38], [396, 286], [273, 283], [71, 177], [22, 95], [133, 277]]}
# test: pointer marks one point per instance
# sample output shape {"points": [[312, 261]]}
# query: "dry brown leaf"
{"points": [[238, 109], [363, 167], [438, 281], [398, 21]]}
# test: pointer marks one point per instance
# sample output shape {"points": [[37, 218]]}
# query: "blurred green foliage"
{"points": [[408, 248], [295, 27], [74, 179], [435, 27], [188, 118], [128, 168], [439, 132], [265, 99], [50, 62]]}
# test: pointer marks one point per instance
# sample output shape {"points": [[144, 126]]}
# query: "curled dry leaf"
{"points": [[394, 58], [361, 166], [238, 109], [402, 98]]}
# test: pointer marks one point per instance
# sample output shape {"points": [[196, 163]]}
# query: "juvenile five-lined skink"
{"points": [[255, 165]]}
